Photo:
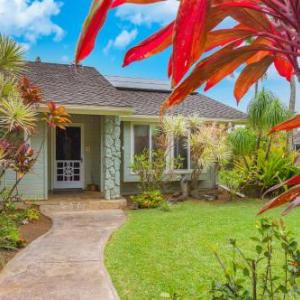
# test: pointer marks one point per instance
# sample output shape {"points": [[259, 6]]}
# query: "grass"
{"points": [[159, 252]]}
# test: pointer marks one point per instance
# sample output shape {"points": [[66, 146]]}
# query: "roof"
{"points": [[81, 85]]}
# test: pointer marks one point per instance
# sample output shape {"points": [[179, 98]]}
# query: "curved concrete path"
{"points": [[67, 262]]}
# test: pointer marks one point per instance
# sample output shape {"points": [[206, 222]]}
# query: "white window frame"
{"points": [[169, 157], [132, 150], [189, 169]]}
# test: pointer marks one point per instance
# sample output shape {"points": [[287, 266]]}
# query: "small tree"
{"points": [[19, 100]]}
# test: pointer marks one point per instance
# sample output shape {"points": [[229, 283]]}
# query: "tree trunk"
{"points": [[256, 88], [292, 106]]}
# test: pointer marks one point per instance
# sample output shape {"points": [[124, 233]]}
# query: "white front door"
{"points": [[68, 166]]}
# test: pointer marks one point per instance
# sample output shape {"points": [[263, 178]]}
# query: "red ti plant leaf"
{"points": [[207, 68], [91, 27], [287, 125], [152, 45], [283, 198], [291, 206], [283, 66], [189, 36], [291, 181], [117, 3], [250, 75], [30, 94]]}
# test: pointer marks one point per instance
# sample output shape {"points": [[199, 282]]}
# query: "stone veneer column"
{"points": [[112, 157]]}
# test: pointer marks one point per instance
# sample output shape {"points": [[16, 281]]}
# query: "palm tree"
{"points": [[265, 111], [242, 141]]}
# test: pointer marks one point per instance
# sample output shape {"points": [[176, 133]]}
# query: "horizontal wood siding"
{"points": [[34, 186]]}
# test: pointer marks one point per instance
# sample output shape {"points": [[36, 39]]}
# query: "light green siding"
{"points": [[34, 186], [91, 150], [130, 180]]}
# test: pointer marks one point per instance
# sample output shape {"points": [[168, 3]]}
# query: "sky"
{"points": [[50, 29]]}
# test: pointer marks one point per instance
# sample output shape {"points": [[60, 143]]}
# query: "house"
{"points": [[112, 119]]}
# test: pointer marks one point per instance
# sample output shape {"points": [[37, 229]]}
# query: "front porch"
{"points": [[79, 200], [84, 157]]}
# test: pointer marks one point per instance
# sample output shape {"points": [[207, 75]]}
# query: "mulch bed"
{"points": [[29, 232]]}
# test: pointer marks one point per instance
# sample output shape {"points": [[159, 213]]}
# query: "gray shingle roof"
{"points": [[67, 84]]}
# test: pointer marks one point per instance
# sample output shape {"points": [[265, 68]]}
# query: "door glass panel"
{"points": [[68, 143]]}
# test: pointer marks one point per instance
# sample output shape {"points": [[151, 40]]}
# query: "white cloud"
{"points": [[30, 19], [121, 41], [161, 13]]}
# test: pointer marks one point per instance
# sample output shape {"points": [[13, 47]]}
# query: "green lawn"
{"points": [[158, 251]]}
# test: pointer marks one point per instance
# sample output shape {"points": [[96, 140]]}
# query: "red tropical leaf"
{"points": [[224, 36], [189, 36], [154, 44], [285, 197], [292, 205], [207, 68], [91, 27], [283, 66], [287, 125], [291, 181], [117, 3], [250, 75]]}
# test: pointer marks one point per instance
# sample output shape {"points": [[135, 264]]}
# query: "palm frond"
{"points": [[16, 115], [11, 56]]}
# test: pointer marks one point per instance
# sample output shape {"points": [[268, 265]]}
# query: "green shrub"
{"points": [[272, 271], [232, 179], [31, 214], [165, 206], [150, 199], [9, 234]]}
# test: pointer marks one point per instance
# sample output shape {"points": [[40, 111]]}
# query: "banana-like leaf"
{"points": [[189, 36], [92, 25], [285, 197], [250, 75], [154, 44], [117, 3], [287, 125]]}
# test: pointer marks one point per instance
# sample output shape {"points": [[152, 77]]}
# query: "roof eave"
{"points": [[155, 119], [92, 109]]}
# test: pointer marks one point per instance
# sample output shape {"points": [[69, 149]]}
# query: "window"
{"points": [[182, 151], [141, 138], [147, 137]]}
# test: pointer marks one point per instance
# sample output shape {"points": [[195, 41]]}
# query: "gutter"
{"points": [[92, 110]]}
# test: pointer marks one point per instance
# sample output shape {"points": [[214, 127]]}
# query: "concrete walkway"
{"points": [[67, 262]]}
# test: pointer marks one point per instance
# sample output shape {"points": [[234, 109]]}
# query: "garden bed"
{"points": [[28, 232]]}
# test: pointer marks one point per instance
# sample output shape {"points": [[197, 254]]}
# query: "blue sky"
{"points": [[50, 29]]}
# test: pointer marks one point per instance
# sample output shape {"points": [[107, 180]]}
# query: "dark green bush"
{"points": [[148, 199]]}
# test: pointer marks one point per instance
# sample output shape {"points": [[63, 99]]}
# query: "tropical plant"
{"points": [[11, 56], [19, 100], [150, 170], [264, 32], [243, 143], [148, 199], [233, 180], [255, 277]]}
